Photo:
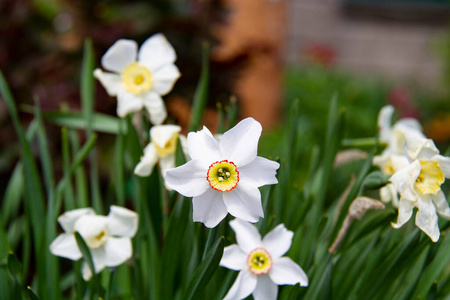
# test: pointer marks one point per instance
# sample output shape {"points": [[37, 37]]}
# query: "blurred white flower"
{"points": [[260, 262], [161, 148], [419, 185], [108, 237], [224, 176], [393, 157], [139, 79]]}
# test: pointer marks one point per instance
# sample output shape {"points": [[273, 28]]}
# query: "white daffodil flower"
{"points": [[139, 79], [260, 262], [161, 148], [419, 185], [224, 176], [108, 237], [393, 157]]}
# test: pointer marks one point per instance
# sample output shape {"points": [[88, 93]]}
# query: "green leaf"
{"points": [[33, 191], [205, 270], [86, 252], [171, 251], [44, 151], [434, 268], [14, 266], [375, 180], [76, 120], [31, 294], [232, 111], [13, 195], [201, 93], [88, 259], [119, 167], [180, 158], [87, 84], [320, 284]]}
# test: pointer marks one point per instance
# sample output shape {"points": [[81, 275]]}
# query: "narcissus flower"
{"points": [[260, 262], [393, 157], [108, 237], [419, 185], [139, 79], [161, 148], [224, 176]]}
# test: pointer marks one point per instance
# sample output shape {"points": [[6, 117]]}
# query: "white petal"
{"points": [[122, 222], [156, 52], [398, 161], [389, 193], [404, 180], [161, 134], [278, 241], [128, 103], [120, 55], [164, 78], [244, 202], [265, 288], [90, 226], [65, 245], [209, 208], [233, 258], [111, 82], [405, 210], [98, 257], [117, 251], [189, 179], [155, 107], [240, 143], [419, 147], [408, 124], [259, 172], [67, 220], [426, 218], [384, 122], [285, 271], [148, 161], [444, 164], [247, 236], [243, 286], [441, 205], [203, 147], [166, 163]]}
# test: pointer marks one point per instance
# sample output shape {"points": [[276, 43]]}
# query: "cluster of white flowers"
{"points": [[223, 176], [418, 171]]}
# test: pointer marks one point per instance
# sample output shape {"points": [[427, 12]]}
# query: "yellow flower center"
{"points": [[169, 147], [388, 168], [259, 261], [223, 176], [136, 78], [430, 178], [97, 240]]}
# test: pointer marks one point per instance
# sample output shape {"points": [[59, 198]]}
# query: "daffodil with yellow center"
{"points": [[260, 262], [108, 237], [419, 185], [139, 79], [393, 157], [136, 78], [430, 177], [161, 149], [223, 176]]}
